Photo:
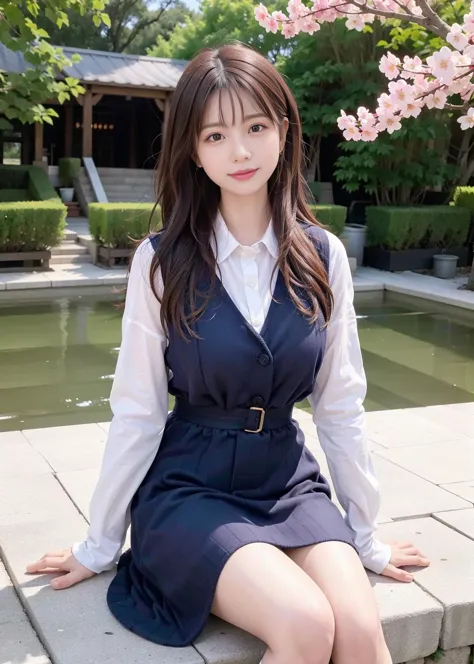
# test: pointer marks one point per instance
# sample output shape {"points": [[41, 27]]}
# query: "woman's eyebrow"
{"points": [[246, 118]]}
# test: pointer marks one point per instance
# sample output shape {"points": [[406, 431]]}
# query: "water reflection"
{"points": [[57, 359]]}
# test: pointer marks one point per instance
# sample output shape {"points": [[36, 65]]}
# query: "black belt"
{"points": [[250, 420]]}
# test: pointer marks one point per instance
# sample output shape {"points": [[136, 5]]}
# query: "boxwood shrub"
{"points": [[31, 178], [332, 216], [31, 225], [418, 227], [69, 168], [9, 195], [117, 225], [464, 197]]}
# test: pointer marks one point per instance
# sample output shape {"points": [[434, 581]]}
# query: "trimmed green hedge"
{"points": [[69, 168], [118, 225], [464, 197], [31, 225], [332, 216], [10, 195], [421, 227], [32, 178]]}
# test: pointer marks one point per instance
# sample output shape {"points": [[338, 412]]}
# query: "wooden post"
{"points": [[38, 142], [68, 129], [87, 125]]}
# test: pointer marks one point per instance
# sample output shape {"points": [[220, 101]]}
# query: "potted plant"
{"points": [[69, 169]]}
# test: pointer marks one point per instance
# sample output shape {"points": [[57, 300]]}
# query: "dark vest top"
{"points": [[233, 366]]}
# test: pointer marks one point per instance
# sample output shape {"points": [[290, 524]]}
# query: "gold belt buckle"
{"points": [[262, 419]]}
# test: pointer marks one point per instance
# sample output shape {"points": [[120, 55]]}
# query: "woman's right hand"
{"points": [[61, 561]]}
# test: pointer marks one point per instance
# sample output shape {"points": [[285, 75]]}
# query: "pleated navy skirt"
{"points": [[211, 490]]}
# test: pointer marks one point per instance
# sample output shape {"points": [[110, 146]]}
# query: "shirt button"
{"points": [[251, 284], [258, 402], [263, 359], [256, 322]]}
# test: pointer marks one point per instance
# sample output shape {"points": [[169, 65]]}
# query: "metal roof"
{"points": [[109, 68]]}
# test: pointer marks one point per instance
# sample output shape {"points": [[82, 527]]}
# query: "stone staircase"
{"points": [[69, 252], [128, 185]]}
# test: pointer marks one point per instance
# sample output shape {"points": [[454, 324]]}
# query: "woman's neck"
{"points": [[247, 218]]}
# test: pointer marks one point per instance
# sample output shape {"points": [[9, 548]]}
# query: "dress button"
{"points": [[258, 402], [263, 359]]}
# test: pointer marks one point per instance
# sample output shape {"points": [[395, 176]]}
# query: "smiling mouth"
{"points": [[244, 175]]}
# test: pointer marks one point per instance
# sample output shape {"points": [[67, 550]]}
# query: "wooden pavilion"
{"points": [[118, 121]]}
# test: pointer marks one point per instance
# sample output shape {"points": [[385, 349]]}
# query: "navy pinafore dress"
{"points": [[211, 490]]}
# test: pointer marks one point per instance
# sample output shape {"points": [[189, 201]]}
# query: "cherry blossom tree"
{"points": [[444, 80]]}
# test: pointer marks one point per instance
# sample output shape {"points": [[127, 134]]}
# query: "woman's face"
{"points": [[241, 154]]}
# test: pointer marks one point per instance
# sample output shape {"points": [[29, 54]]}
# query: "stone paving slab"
{"points": [[425, 286], [69, 447], [68, 620], [450, 461], [44, 516], [19, 459], [450, 577], [10, 607], [460, 520], [20, 645], [390, 429], [223, 643], [463, 489], [456, 417], [411, 618], [35, 498], [405, 495]]}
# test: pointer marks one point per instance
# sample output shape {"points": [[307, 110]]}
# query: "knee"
{"points": [[307, 633], [359, 640]]}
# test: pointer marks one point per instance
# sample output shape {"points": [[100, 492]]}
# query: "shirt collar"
{"points": [[226, 242]]}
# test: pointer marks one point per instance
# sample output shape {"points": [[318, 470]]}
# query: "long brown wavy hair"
{"points": [[189, 199]]}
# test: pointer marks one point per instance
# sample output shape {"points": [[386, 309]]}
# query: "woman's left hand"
{"points": [[404, 554]]}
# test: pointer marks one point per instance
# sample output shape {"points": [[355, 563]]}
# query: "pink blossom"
{"points": [[352, 133], [456, 37], [389, 65], [468, 23], [279, 16], [467, 121], [436, 100], [309, 24], [388, 123], [288, 30], [442, 65], [386, 104], [296, 9], [346, 121], [270, 24], [261, 14], [411, 66], [368, 134], [355, 22]]}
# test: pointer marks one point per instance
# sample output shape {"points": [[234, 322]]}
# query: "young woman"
{"points": [[240, 307]]}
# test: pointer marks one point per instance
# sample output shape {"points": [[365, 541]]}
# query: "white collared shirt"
{"points": [[139, 396]]}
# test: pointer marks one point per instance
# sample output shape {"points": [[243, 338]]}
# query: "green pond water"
{"points": [[57, 358]]}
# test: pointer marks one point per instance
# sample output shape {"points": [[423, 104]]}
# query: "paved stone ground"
{"points": [[425, 461]]}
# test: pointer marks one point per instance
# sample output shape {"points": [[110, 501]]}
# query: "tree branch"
{"points": [[438, 29], [145, 23]]}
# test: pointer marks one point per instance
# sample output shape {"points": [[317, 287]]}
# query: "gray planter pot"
{"points": [[444, 266], [67, 194], [353, 237]]}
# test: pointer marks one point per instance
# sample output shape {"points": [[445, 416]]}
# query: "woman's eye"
{"points": [[213, 138], [256, 128]]}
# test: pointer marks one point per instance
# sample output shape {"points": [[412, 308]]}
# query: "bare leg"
{"points": [[263, 592], [337, 570]]}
